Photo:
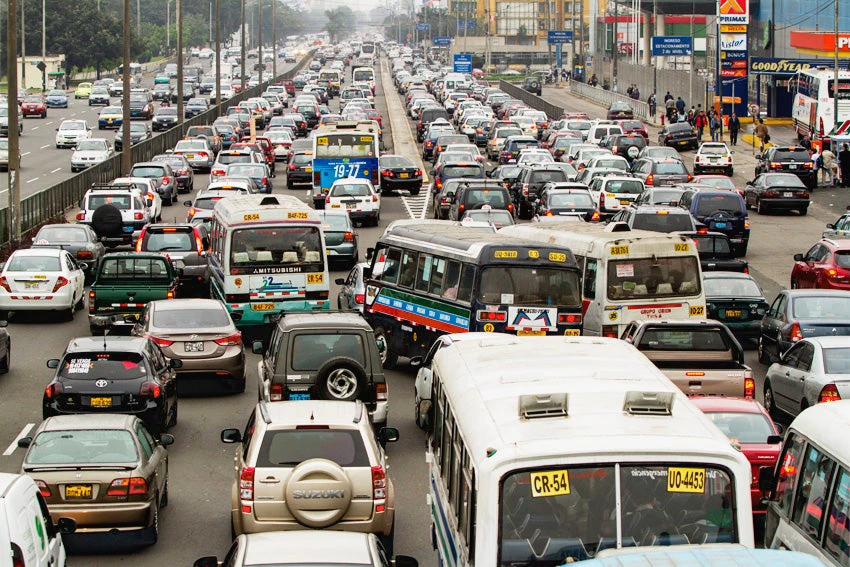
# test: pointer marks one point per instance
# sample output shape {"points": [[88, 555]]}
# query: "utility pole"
{"points": [[43, 45], [24, 46], [274, 40], [126, 152], [260, 38], [180, 115], [14, 210], [835, 82], [167, 24], [139, 16], [548, 29], [217, 52], [242, 40], [614, 47], [211, 18]]}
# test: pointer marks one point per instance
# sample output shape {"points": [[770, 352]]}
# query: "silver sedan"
{"points": [[814, 370]]}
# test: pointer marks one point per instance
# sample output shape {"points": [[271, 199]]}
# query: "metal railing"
{"points": [[53, 201], [553, 111], [605, 98]]}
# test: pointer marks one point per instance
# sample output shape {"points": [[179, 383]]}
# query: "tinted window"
{"points": [[821, 307], [663, 223], [452, 171], [292, 446], [547, 175], [709, 204], [570, 200], [310, 351], [476, 198], [147, 171], [731, 287], [130, 268], [114, 365], [812, 490], [624, 186], [837, 538], [673, 167], [120, 202], [62, 234], [159, 241], [791, 155], [783, 180], [684, 339]]}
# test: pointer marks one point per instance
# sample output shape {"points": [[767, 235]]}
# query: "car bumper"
{"points": [[356, 215], [339, 252], [244, 315], [299, 178], [31, 111], [393, 184], [66, 143], [246, 523], [105, 124], [159, 126], [230, 365], [84, 164], [786, 204], [37, 301], [99, 518], [199, 164]]}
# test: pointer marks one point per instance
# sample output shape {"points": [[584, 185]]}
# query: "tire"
{"points": [[804, 211], [389, 359], [163, 500], [172, 421], [769, 400], [341, 379], [388, 540], [6, 363], [764, 358], [81, 304], [793, 284], [414, 192], [107, 221], [761, 208]]}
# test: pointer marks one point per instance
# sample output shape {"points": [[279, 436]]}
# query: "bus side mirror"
{"points": [[774, 439], [369, 253], [766, 479], [367, 273]]}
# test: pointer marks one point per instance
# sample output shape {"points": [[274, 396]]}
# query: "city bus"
{"points": [[364, 75], [267, 256], [544, 451], [813, 111], [334, 79], [628, 275], [429, 278], [344, 149]]}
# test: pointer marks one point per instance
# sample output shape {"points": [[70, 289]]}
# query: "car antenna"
{"points": [[104, 340]]}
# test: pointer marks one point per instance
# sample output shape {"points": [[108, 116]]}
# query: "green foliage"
{"points": [[341, 22]]}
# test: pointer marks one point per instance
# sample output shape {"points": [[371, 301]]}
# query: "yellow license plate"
{"points": [[190, 156], [550, 483], [734, 313], [572, 333], [624, 202], [681, 479], [335, 206], [308, 169], [100, 402], [262, 306], [531, 333], [78, 491], [404, 175]]}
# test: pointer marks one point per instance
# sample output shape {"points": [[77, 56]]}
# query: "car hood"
{"points": [[57, 97], [89, 154], [4, 120]]}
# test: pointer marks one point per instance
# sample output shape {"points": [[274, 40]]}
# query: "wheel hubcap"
{"points": [[382, 347], [342, 383]]}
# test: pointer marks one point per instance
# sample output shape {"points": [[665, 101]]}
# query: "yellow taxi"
{"points": [[83, 90]]}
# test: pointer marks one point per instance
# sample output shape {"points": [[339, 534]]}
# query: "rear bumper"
{"points": [[99, 518], [37, 301], [246, 523], [786, 204]]}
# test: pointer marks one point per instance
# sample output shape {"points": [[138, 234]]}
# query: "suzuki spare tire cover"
{"points": [[318, 493], [633, 151], [107, 221]]}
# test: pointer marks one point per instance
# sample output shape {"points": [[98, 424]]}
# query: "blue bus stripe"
{"points": [[445, 523]]}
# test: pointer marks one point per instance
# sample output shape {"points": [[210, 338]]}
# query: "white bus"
{"points": [[267, 256], [813, 111], [546, 450], [809, 504], [364, 75], [628, 275]]}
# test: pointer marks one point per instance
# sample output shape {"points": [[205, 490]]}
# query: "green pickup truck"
{"points": [[124, 284]]}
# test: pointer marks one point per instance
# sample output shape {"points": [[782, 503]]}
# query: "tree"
{"points": [[88, 38], [340, 21], [521, 34]]}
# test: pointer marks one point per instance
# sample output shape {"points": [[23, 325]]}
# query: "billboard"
{"points": [[733, 12]]}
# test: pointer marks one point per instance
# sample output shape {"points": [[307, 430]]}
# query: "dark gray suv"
{"points": [[162, 174]]}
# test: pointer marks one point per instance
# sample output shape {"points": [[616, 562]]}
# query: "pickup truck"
{"points": [[700, 357], [124, 284]]}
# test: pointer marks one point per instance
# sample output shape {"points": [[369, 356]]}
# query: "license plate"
{"points": [[194, 347], [110, 121], [100, 402], [298, 397], [78, 491], [733, 313], [404, 175], [792, 167], [351, 205], [788, 195], [683, 143], [713, 160], [262, 306], [572, 333], [32, 285], [335, 205], [128, 229], [549, 483], [531, 333], [720, 225], [308, 169], [190, 156], [624, 202]]}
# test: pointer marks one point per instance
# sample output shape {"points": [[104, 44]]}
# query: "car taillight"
{"points": [[151, 389], [246, 483], [749, 384], [159, 341], [808, 165], [203, 154], [595, 216], [328, 200], [746, 224], [796, 333], [54, 389], [690, 177], [61, 282], [218, 172], [265, 181], [569, 319], [774, 165], [5, 284], [381, 392], [387, 173], [374, 197], [428, 143], [359, 298], [199, 244], [348, 237], [829, 393], [123, 486], [770, 193], [497, 316], [276, 393], [379, 483], [81, 216], [650, 180], [232, 340], [609, 331], [44, 490], [85, 255], [191, 212], [166, 180], [138, 216], [291, 167]]}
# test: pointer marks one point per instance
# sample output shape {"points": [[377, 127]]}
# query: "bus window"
{"points": [[270, 246], [464, 292], [437, 271], [648, 278], [837, 540], [386, 264], [791, 460], [812, 491], [590, 278], [529, 286], [423, 279], [452, 279], [408, 269]]}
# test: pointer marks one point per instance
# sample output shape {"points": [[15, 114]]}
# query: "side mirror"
{"points": [[369, 253], [205, 243], [779, 427], [24, 442], [166, 439], [774, 439], [416, 361], [405, 561], [67, 525], [175, 363], [209, 561], [367, 273], [798, 257], [339, 281], [830, 225], [231, 436], [53, 363], [257, 347], [732, 152], [766, 479], [388, 435], [187, 204], [57, 129]]}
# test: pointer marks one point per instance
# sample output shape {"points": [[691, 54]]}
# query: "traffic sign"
{"points": [[558, 37], [442, 40], [663, 45], [423, 27], [463, 63], [754, 109]]}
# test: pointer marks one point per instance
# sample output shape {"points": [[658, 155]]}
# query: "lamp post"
{"points": [[14, 217], [835, 82], [167, 25], [242, 41], [24, 46], [217, 52], [43, 45], [260, 39], [179, 61], [274, 40], [126, 153]]}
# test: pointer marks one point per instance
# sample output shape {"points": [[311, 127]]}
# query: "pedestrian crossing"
{"points": [[416, 206]]}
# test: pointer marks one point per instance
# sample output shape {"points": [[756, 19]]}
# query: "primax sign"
{"points": [[733, 12]]}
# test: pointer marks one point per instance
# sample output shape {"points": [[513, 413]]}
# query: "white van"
{"points": [[26, 529]]}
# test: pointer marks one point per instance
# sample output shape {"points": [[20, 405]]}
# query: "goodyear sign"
{"points": [[786, 67]]}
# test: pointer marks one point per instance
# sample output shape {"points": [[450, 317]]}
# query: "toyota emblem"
{"points": [[101, 383]]}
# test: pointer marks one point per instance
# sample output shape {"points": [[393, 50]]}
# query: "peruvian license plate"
{"points": [[549, 483], [624, 202], [351, 205], [100, 402], [733, 313], [299, 396], [720, 225], [78, 491], [792, 166], [32, 285], [404, 175], [190, 156], [197, 346], [788, 195], [530, 333], [308, 169], [262, 306], [683, 143]]}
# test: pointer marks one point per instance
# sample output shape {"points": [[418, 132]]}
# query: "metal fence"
{"points": [[604, 98], [53, 201], [553, 111]]}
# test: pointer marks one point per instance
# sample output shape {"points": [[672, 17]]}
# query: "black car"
{"points": [[667, 195], [341, 240], [182, 171], [532, 85], [528, 184], [196, 106], [139, 132], [398, 172], [620, 110], [299, 171], [456, 170], [720, 211], [475, 194], [715, 253], [189, 91], [737, 301], [802, 313], [657, 172], [657, 219], [507, 174], [141, 106], [426, 117], [430, 139], [566, 200], [679, 135], [164, 118], [80, 240], [772, 191], [788, 159], [113, 374], [626, 145], [162, 91]]}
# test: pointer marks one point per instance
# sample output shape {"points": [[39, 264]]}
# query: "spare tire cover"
{"points": [[107, 221], [633, 151], [318, 493]]}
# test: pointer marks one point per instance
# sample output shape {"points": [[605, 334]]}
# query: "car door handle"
{"points": [[270, 480]]}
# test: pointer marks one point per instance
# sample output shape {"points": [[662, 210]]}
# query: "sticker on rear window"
{"points": [[78, 366]]}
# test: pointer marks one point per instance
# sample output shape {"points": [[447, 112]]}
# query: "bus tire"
{"points": [[341, 379], [389, 359]]}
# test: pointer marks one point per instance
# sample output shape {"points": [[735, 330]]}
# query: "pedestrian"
{"points": [[682, 117], [734, 126], [636, 93], [652, 104], [691, 117], [828, 167], [700, 122], [763, 135], [670, 107], [715, 128], [593, 80], [565, 76], [667, 97], [614, 88], [629, 91], [806, 142], [844, 164], [680, 105], [817, 162]]}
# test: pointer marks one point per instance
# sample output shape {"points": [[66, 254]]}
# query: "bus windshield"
{"points": [[529, 286], [363, 75], [549, 516], [345, 145], [648, 278], [272, 246]]}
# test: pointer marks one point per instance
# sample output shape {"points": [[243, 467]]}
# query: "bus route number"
{"points": [[680, 479], [297, 216], [346, 170], [505, 254], [315, 278], [251, 217], [697, 311], [550, 483], [619, 250], [557, 257], [680, 247]]}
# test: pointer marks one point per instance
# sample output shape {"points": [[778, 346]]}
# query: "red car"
{"points": [[825, 266], [376, 116], [34, 105], [634, 127], [746, 423], [289, 85], [717, 182]]}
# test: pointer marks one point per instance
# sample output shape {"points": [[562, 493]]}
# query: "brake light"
{"points": [[439, 184], [291, 167], [690, 177], [379, 483], [43, 489], [265, 181], [374, 197], [17, 554], [328, 200], [595, 216], [497, 316], [166, 180], [808, 165], [650, 180], [746, 224], [123, 486], [774, 165], [81, 216], [232, 340], [348, 237], [199, 244], [5, 284], [218, 172], [159, 341], [381, 392], [61, 282], [702, 230], [387, 173], [191, 212], [151, 389], [569, 319], [749, 384], [609, 331], [276, 392], [829, 393], [359, 298], [91, 299], [510, 207], [417, 173], [796, 333], [54, 389], [138, 216]]}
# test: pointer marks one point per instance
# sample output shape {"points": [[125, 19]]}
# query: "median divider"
{"points": [[404, 141]]}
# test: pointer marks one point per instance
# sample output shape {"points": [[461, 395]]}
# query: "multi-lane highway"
{"points": [[196, 522]]}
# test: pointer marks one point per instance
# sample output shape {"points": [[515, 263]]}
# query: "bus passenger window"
{"points": [[451, 280], [464, 292], [812, 491], [788, 472], [386, 264], [408, 269], [423, 278], [837, 540], [590, 278], [437, 270]]}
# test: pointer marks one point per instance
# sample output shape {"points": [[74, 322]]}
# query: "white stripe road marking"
{"points": [[25, 154], [35, 127], [57, 169], [21, 435], [48, 123], [33, 179], [44, 146]]}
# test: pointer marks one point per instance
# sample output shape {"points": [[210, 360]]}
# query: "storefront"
{"points": [[777, 96]]}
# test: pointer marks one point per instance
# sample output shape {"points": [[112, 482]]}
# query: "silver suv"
{"points": [[116, 215], [314, 464]]}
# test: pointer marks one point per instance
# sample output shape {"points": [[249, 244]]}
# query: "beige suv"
{"points": [[314, 464]]}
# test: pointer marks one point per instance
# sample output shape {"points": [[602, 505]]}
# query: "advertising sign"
{"points": [[733, 41], [734, 12]]}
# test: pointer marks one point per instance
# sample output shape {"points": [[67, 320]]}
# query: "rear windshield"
{"points": [[310, 351], [116, 365], [519, 144], [791, 155], [822, 307], [134, 268], [451, 171], [302, 159], [215, 318], [671, 168], [159, 241], [505, 132], [20, 263], [742, 427], [548, 175], [477, 198], [290, 447], [836, 360], [710, 204], [120, 202], [206, 203], [666, 196], [62, 234], [624, 186], [334, 222], [82, 447], [842, 259], [731, 287], [226, 159], [783, 180], [147, 172], [712, 245], [684, 339], [662, 223], [350, 190]]}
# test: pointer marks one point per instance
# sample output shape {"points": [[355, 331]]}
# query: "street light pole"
{"points": [[260, 38], [43, 45], [217, 52], [167, 25], [835, 80], [126, 153], [180, 61], [242, 41], [24, 46], [14, 210], [274, 40]]}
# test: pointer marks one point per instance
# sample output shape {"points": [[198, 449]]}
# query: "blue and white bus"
{"points": [[344, 149]]}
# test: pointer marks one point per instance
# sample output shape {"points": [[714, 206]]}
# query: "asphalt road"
{"points": [[196, 522]]}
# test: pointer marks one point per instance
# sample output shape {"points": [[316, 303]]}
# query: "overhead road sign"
{"points": [[463, 63], [559, 37], [442, 40], [664, 45], [423, 27]]}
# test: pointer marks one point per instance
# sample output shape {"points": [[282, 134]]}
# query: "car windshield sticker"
{"points": [[507, 298], [78, 366], [625, 270]]}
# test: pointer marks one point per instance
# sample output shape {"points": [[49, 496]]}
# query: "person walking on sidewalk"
{"points": [[844, 164], [680, 105], [817, 162], [734, 126], [715, 128], [670, 107], [828, 168], [762, 133], [700, 123], [652, 104]]}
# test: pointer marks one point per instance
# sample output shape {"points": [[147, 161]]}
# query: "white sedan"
{"points": [[90, 152], [70, 132], [356, 196], [41, 279]]}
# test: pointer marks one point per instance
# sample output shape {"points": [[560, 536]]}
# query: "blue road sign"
{"points": [[558, 37], [423, 27], [672, 45], [442, 40], [463, 63]]}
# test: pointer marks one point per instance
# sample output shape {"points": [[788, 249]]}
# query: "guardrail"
{"points": [[53, 201], [553, 111], [604, 98]]}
